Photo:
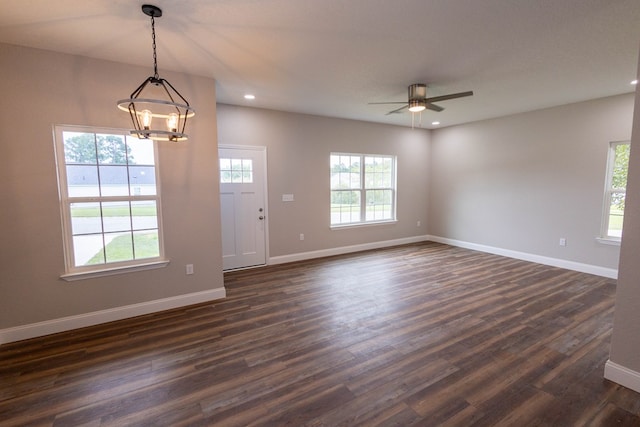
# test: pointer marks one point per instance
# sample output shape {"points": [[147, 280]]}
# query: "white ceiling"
{"points": [[333, 57]]}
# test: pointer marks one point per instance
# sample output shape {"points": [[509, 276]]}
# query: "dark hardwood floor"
{"points": [[423, 334]]}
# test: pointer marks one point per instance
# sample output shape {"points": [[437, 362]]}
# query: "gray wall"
{"points": [[41, 89], [298, 148], [625, 343], [518, 182], [524, 181]]}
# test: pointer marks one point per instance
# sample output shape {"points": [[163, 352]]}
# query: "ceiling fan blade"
{"points": [[398, 102], [450, 96], [433, 107], [397, 110]]}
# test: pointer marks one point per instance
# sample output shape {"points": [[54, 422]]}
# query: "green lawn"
{"points": [[336, 208], [110, 211], [615, 220], [121, 249]]}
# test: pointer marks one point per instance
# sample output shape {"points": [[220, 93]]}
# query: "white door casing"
{"points": [[243, 206]]}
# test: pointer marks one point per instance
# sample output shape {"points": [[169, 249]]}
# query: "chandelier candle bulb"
{"points": [[172, 122], [147, 116]]}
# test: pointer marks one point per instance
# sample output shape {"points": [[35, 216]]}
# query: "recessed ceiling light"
{"points": [[634, 82], [249, 96], [435, 123]]}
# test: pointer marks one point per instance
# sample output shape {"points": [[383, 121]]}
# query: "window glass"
{"points": [[80, 147], [362, 188], [112, 149], [144, 215], [146, 244], [120, 247], [615, 190], [114, 180], [109, 198], [236, 171], [116, 216], [142, 180], [85, 218]]}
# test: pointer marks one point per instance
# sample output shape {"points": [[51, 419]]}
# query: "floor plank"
{"points": [[420, 334]]}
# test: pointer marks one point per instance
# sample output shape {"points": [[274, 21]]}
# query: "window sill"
{"points": [[72, 277], [362, 224], [608, 241]]}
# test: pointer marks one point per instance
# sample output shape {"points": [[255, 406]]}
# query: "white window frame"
{"points": [[73, 272], [362, 189], [605, 237]]}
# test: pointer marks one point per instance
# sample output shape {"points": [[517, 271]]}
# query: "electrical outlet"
{"points": [[301, 236], [418, 224], [189, 268], [563, 241]]}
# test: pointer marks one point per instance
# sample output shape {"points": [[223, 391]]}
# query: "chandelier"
{"points": [[156, 102]]}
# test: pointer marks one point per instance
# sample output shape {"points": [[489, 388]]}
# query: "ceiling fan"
{"points": [[418, 100]]}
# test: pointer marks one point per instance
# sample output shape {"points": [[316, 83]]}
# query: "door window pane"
{"points": [[237, 171]]}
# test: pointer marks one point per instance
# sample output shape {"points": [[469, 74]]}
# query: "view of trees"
{"points": [[361, 188], [88, 148], [619, 178], [345, 175]]}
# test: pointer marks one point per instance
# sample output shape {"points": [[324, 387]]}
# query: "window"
{"points": [[615, 190], [236, 171], [110, 203], [362, 188]]}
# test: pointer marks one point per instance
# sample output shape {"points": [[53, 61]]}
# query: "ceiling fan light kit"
{"points": [[156, 100], [416, 105]]}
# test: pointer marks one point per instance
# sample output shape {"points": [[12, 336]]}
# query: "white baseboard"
{"points": [[345, 250], [103, 316], [554, 262], [621, 375]]}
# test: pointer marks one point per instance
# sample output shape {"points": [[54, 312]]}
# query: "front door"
{"points": [[243, 209]]}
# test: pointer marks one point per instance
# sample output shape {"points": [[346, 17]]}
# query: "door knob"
{"points": [[260, 217]]}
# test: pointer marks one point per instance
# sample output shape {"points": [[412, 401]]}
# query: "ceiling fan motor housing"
{"points": [[417, 91]]}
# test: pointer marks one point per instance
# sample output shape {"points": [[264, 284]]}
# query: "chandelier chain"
{"points": [[155, 56]]}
